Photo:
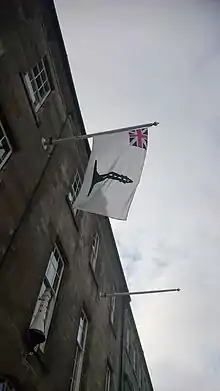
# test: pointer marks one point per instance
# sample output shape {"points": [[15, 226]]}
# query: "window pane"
{"points": [[112, 314], [74, 190], [60, 267], [5, 147], [95, 249], [2, 151], [35, 70], [51, 274], [108, 379], [6, 386], [43, 75], [56, 282], [82, 331], [75, 187], [76, 184], [38, 81], [1, 132], [128, 340]]}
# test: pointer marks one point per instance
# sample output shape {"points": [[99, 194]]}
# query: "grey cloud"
{"points": [[143, 60]]}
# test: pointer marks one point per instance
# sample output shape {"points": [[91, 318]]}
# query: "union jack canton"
{"points": [[139, 138]]}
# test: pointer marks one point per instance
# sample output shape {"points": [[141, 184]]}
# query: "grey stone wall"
{"points": [[35, 212]]}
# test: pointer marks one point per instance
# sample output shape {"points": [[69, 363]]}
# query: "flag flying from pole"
{"points": [[113, 173]]}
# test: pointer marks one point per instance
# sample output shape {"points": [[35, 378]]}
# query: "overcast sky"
{"points": [[135, 61]]}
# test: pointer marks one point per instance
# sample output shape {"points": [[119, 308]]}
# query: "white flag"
{"points": [[113, 173]]}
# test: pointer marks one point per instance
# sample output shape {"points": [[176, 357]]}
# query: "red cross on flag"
{"points": [[139, 137]]}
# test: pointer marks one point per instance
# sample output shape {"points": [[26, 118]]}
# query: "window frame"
{"points": [[94, 251], [79, 354], [82, 331], [140, 376], [128, 339], [73, 193], [31, 83], [108, 378], [54, 292], [4, 138], [134, 359], [112, 309], [6, 385]]}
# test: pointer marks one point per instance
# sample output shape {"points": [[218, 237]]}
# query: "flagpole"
{"points": [[115, 294], [51, 141]]}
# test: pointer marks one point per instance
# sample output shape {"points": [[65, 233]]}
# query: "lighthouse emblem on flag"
{"points": [[139, 138], [113, 173]]}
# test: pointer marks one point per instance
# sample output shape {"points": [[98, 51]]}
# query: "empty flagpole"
{"points": [[51, 141], [114, 294]]}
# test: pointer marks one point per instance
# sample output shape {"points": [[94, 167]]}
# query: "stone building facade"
{"points": [[46, 245], [135, 374]]}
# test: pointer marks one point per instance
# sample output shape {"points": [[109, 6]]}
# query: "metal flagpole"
{"points": [[51, 141], [114, 294]]}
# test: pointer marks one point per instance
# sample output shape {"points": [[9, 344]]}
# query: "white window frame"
{"points": [[112, 308], [80, 350], [128, 339], [140, 376], [94, 250], [108, 378], [5, 385], [38, 84], [74, 191], [54, 291], [134, 359], [4, 140]]}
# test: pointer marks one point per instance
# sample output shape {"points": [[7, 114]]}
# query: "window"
{"points": [[80, 349], [37, 83], [94, 251], [112, 309], [128, 340], [74, 190], [50, 282], [5, 385], [5, 147], [134, 359], [108, 379], [140, 376]]}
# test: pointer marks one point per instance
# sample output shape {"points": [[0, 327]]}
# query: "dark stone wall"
{"points": [[130, 376], [35, 213]]}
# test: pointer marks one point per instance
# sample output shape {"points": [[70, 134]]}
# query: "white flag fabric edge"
{"points": [[113, 173]]}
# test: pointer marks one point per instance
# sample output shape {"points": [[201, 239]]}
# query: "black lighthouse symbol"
{"points": [[96, 178]]}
